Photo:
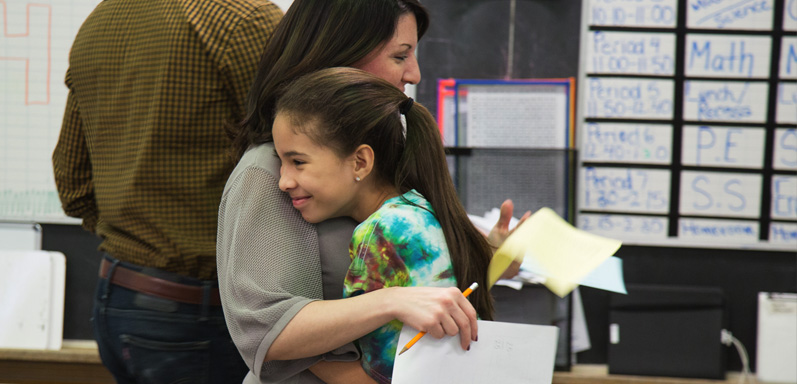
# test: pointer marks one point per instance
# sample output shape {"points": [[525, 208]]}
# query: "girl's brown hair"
{"points": [[317, 34], [342, 108]]}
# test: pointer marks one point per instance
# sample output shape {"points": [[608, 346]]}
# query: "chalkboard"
{"points": [[687, 122]]}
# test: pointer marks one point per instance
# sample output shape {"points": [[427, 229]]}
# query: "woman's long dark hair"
{"points": [[317, 34], [342, 108]]}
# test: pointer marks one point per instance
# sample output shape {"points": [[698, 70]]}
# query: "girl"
{"points": [[353, 145]]}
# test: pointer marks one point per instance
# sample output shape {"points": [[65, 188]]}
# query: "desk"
{"points": [[77, 362]]}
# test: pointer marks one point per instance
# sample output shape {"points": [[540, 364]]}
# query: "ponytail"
{"points": [[423, 167]]}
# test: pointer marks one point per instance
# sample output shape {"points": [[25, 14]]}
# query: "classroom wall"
{"points": [[546, 44]]}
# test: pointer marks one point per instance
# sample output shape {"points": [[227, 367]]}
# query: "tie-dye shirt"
{"points": [[399, 245]]}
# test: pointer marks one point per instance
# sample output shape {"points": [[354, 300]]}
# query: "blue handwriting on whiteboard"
{"points": [[623, 99], [785, 98], [784, 197], [621, 54], [699, 181], [740, 62], [707, 138], [791, 58], [633, 142], [610, 223], [783, 233], [690, 227], [605, 14], [627, 189], [788, 145], [731, 108], [738, 11]]}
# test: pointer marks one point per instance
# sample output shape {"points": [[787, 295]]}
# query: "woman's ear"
{"points": [[363, 158]]}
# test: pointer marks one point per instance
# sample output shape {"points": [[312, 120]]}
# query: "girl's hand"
{"points": [[436, 311]]}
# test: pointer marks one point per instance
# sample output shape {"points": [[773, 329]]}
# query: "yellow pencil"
{"points": [[420, 334]]}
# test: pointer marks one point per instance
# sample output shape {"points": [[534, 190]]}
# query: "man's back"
{"points": [[153, 83]]}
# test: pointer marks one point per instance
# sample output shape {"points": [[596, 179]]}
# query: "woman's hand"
{"points": [[436, 311]]}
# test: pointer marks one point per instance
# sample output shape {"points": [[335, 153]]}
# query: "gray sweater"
{"points": [[271, 263]]}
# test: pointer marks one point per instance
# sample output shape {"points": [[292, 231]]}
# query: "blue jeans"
{"points": [[147, 339]]}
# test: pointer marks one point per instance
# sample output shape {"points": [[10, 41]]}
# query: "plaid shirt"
{"points": [[142, 156]]}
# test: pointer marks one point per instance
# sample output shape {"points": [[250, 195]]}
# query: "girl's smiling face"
{"points": [[319, 182]]}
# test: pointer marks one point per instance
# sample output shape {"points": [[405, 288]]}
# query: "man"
{"points": [[142, 158]]}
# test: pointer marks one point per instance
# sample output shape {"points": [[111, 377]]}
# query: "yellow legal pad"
{"points": [[565, 254]]}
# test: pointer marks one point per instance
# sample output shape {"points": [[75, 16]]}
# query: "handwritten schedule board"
{"points": [[688, 122]]}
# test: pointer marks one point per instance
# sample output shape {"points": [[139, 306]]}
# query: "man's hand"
{"points": [[501, 232]]}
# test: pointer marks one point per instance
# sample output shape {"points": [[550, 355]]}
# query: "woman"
{"points": [[274, 268]]}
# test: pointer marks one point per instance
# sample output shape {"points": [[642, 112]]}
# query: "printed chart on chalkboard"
{"points": [[687, 122], [35, 38]]}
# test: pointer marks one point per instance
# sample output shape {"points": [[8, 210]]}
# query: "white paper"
{"points": [[32, 287], [608, 276], [506, 353], [777, 337]]}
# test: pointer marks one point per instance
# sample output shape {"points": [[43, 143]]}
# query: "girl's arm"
{"points": [[322, 326]]}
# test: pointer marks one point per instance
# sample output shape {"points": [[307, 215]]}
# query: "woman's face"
{"points": [[395, 60]]}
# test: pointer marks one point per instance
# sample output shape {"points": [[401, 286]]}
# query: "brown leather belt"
{"points": [[154, 286]]}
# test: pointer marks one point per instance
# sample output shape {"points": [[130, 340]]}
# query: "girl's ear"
{"points": [[363, 158]]}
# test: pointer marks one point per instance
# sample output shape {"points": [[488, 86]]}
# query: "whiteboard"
{"points": [[713, 136], [34, 49]]}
